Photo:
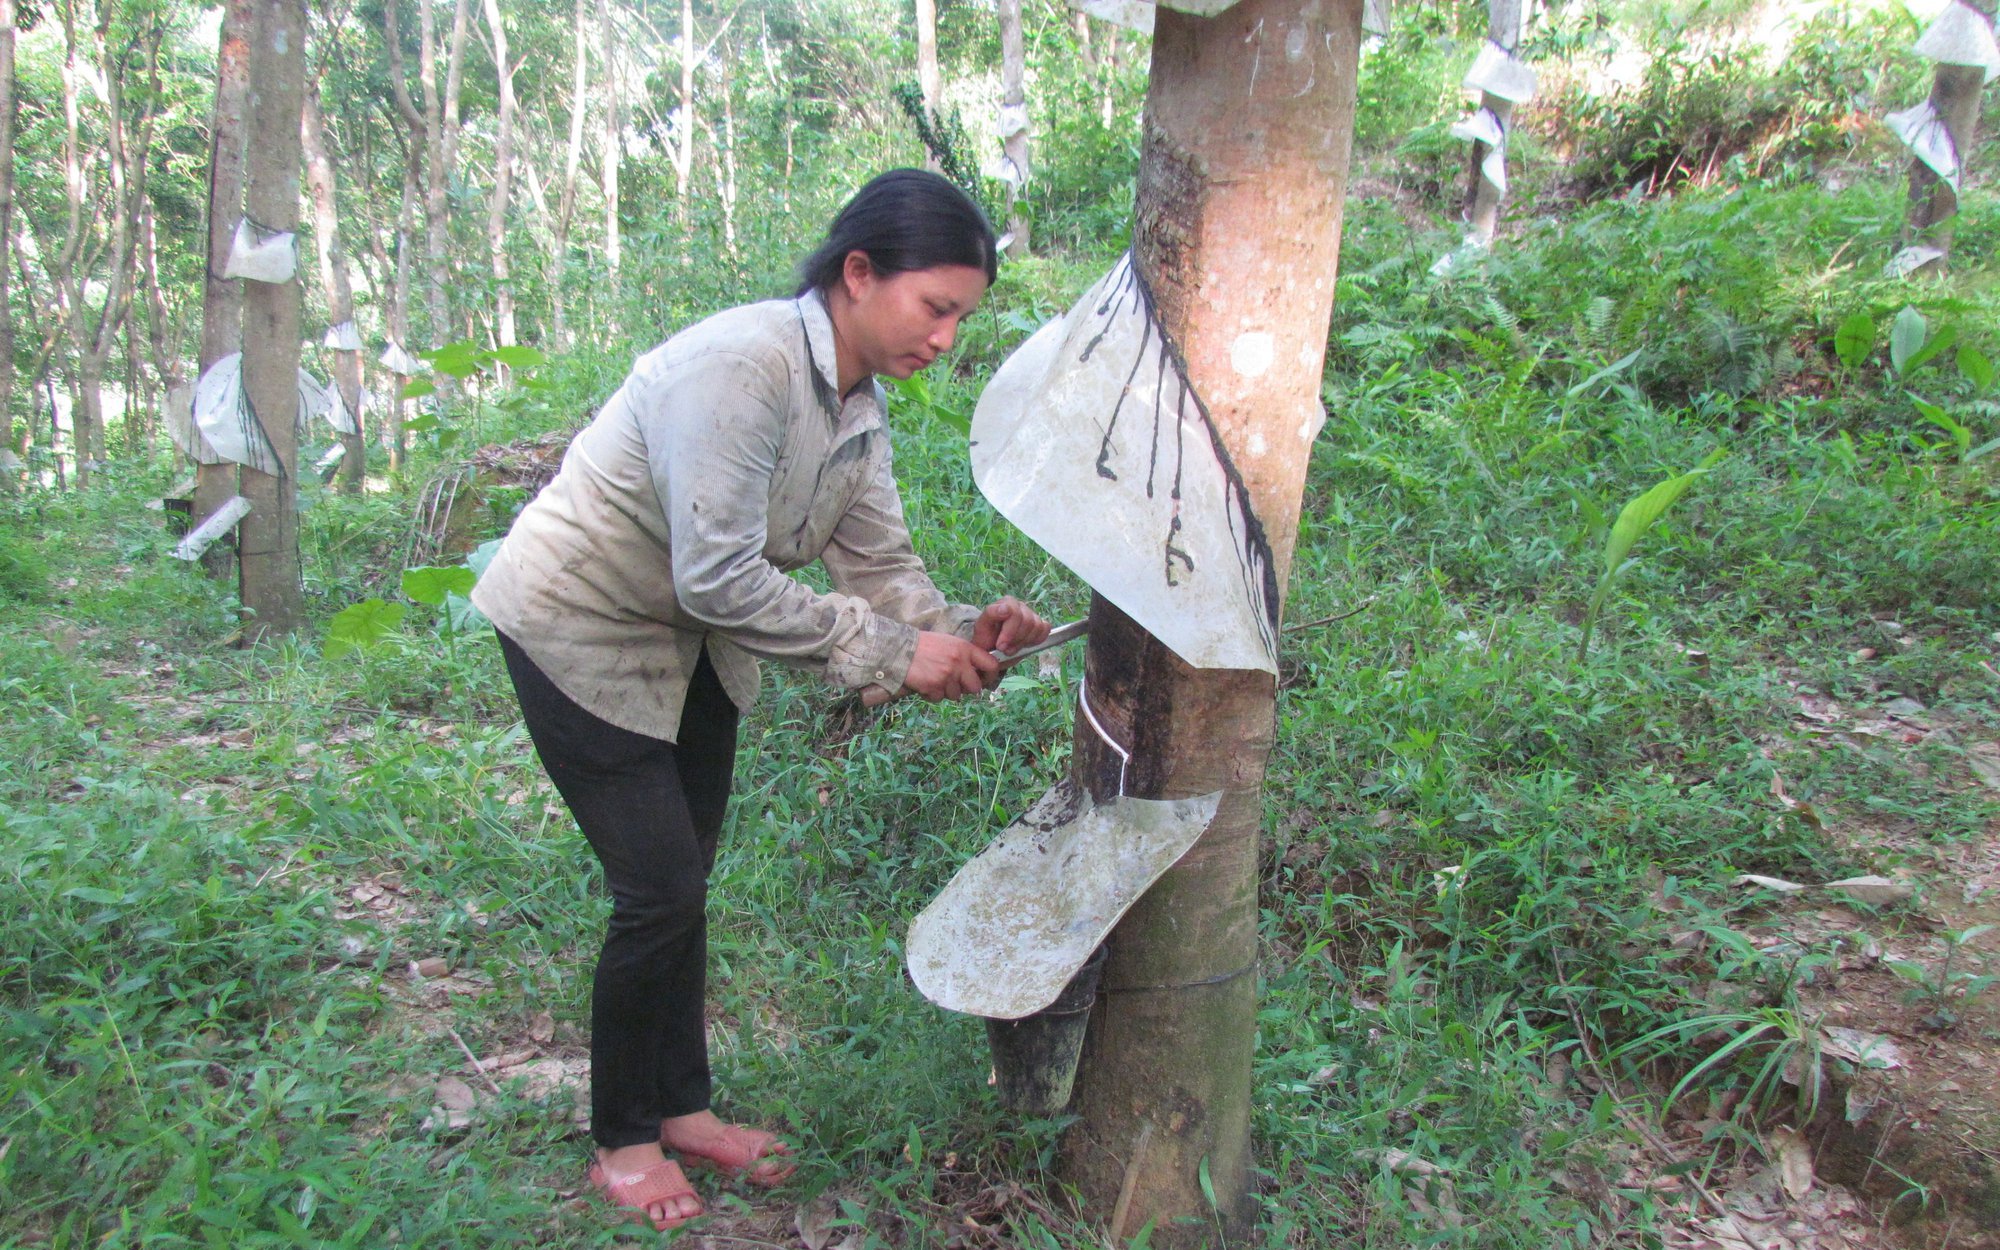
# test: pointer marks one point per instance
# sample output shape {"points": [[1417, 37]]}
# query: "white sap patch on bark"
{"points": [[1295, 43], [1251, 354], [1257, 444]]}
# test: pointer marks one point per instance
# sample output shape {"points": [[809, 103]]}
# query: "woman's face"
{"points": [[899, 323]]}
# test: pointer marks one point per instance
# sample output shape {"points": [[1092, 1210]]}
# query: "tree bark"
{"points": [[335, 283], [503, 176], [929, 81], [684, 150], [222, 299], [270, 534], [1504, 25], [725, 157], [566, 201], [1933, 204], [610, 144], [7, 434], [1013, 96], [441, 134], [1249, 120]]}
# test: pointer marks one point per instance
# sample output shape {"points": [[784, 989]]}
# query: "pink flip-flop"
{"points": [[634, 1194], [761, 1160]]}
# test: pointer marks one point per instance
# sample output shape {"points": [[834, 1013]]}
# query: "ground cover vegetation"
{"points": [[261, 908]]}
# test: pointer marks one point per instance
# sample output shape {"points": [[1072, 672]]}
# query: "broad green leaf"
{"points": [[462, 616], [1929, 351], [1207, 1184], [482, 555], [1906, 337], [417, 388], [1855, 339], [429, 585], [918, 392], [1943, 420], [458, 360], [519, 357], [362, 627], [1638, 516], [1977, 369], [421, 424]]}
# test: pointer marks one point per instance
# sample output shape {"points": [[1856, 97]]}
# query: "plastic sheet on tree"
{"points": [[399, 360], [1130, 14], [1375, 17], [222, 413], [1911, 259], [1497, 72], [181, 426], [1961, 36], [1486, 127], [1923, 132], [1011, 120], [1091, 440], [345, 337], [322, 399], [1017, 921], [1004, 169], [1506, 20], [262, 255]]}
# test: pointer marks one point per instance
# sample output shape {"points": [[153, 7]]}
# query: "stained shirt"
{"points": [[726, 461]]}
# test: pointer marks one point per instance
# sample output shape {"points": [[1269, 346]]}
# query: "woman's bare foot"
{"points": [[642, 1179], [747, 1152]]}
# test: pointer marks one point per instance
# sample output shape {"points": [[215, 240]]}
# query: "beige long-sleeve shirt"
{"points": [[726, 461]]}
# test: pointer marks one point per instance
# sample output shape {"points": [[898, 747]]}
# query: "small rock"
{"points": [[1904, 707], [1866, 653], [1873, 890], [428, 969]]}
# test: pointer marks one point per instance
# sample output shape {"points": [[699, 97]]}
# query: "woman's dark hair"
{"points": [[903, 220]]}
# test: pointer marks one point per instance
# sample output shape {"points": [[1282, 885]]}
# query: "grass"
{"points": [[1479, 848]]}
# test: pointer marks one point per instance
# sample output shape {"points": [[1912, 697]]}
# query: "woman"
{"points": [[633, 595]]}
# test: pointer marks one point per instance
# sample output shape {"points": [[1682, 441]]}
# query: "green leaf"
{"points": [[429, 585], [1607, 372], [519, 357], [1207, 1184], [482, 555], [1929, 351], [362, 627], [416, 388], [1960, 436], [91, 894], [1984, 449], [1977, 369], [462, 616], [422, 424], [459, 360], [1638, 516], [1855, 339], [1906, 337]]}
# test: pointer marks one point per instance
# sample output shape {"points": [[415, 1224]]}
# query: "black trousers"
{"points": [[651, 810]]}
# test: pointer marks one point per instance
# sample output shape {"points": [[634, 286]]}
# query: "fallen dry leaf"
{"points": [[1788, 1149], [1873, 890], [1776, 884], [1857, 1046]]}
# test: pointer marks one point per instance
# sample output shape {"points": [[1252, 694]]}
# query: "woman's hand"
{"points": [[1007, 625], [949, 667]]}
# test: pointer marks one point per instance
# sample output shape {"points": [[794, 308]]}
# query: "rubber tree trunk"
{"points": [[1933, 204], [339, 290], [684, 149], [7, 436], [930, 81], [503, 181], [222, 298], [269, 555], [610, 145], [1249, 121], [1505, 23], [1014, 104], [566, 199]]}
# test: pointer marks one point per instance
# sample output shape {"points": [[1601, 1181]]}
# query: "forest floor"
{"points": [[1671, 940]]}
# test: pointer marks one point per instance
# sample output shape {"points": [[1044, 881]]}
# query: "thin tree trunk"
{"points": [[1237, 231], [684, 152], [610, 144], [334, 281], [399, 292], [68, 276], [929, 80], [270, 533], [222, 299], [441, 131], [725, 159], [1482, 195], [1933, 204], [1014, 111], [7, 432], [503, 174], [566, 204]]}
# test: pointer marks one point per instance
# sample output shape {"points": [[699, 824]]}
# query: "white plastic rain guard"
{"points": [[1091, 440], [1961, 36], [261, 255], [398, 359], [345, 337], [1010, 930], [1496, 71], [232, 432], [1924, 133], [1486, 127], [1138, 14], [181, 427]]}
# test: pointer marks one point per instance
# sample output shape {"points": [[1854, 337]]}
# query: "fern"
{"points": [[1597, 324]]}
